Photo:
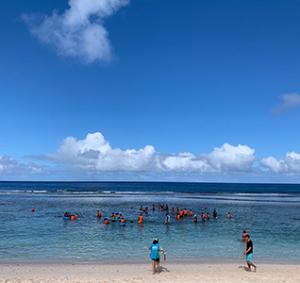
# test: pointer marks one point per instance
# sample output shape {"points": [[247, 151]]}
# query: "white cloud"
{"points": [[292, 159], [271, 163], [186, 162], [79, 31], [290, 164], [289, 101], [94, 153], [93, 157], [229, 157], [12, 167], [222, 159]]}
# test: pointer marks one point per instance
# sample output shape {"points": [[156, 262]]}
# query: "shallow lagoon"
{"points": [[272, 219]]}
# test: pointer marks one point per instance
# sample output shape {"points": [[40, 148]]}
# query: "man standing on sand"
{"points": [[249, 252]]}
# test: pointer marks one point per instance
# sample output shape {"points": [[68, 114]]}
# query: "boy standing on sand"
{"points": [[155, 250], [249, 252]]}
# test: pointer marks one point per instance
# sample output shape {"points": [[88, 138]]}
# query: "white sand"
{"points": [[134, 273]]}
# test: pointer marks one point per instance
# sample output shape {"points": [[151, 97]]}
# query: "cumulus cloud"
{"points": [[186, 162], [93, 157], [290, 164], [94, 153], [222, 159], [12, 167], [79, 31], [289, 101], [274, 165], [229, 157]]}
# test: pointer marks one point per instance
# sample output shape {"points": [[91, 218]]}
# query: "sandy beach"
{"points": [[134, 273]]}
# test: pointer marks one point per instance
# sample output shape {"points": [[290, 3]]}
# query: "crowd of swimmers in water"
{"points": [[178, 213]]}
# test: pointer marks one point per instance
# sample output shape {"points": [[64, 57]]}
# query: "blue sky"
{"points": [[181, 76]]}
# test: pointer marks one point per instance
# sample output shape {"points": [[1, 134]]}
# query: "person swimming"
{"points": [[203, 217], [195, 218], [72, 217], [229, 215], [99, 213], [113, 217], [181, 213], [122, 220], [208, 216], [67, 214], [106, 221]]}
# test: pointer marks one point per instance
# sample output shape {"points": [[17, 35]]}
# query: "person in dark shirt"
{"points": [[244, 236], [249, 252], [215, 214]]}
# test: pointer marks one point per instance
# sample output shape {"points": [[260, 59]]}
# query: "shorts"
{"points": [[249, 257], [155, 259]]}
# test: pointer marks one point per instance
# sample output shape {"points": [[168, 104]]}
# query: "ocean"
{"points": [[270, 212]]}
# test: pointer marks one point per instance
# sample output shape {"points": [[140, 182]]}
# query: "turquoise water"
{"points": [[272, 218]]}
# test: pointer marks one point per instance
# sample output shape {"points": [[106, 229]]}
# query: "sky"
{"points": [[150, 90]]}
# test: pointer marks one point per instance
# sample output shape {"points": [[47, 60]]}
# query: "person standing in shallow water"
{"points": [[167, 219], [249, 252], [215, 214]]}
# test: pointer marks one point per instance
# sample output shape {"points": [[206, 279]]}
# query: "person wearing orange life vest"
{"points": [[72, 216], [181, 213], [106, 221], [141, 219]]}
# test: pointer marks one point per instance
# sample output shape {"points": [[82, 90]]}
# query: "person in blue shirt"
{"points": [[155, 250]]}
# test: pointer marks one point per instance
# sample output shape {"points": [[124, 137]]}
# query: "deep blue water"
{"points": [[269, 211], [150, 187]]}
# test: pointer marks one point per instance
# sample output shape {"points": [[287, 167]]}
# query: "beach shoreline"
{"points": [[141, 272]]}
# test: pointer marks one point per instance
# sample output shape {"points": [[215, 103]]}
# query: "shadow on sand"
{"points": [[246, 268], [162, 269]]}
